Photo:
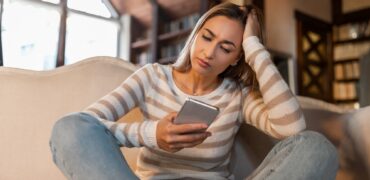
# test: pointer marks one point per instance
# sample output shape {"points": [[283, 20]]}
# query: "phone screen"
{"points": [[194, 111]]}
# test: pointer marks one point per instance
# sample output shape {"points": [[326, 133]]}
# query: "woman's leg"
{"points": [[83, 148], [307, 155]]}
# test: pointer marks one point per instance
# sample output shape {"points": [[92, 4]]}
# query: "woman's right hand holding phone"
{"points": [[174, 137]]}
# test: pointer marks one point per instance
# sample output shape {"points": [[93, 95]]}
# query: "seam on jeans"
{"points": [[89, 117], [283, 145]]}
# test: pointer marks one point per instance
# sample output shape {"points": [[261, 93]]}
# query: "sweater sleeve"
{"points": [[273, 108], [119, 102]]}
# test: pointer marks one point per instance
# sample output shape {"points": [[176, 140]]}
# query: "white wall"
{"points": [[281, 25]]}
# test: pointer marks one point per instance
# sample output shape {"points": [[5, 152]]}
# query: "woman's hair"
{"points": [[241, 72]]}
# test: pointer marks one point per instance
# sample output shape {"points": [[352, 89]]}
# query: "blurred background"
{"points": [[321, 47]]}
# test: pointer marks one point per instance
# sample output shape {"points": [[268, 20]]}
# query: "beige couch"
{"points": [[31, 102]]}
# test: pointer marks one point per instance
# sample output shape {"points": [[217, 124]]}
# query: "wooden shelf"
{"points": [[172, 35], [343, 61], [167, 60], [347, 80], [141, 44], [354, 100], [357, 40]]}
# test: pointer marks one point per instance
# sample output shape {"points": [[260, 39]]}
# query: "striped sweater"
{"points": [[273, 110]]}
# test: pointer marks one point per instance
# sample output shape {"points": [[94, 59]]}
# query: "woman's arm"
{"points": [[273, 109], [119, 102], [163, 134]]}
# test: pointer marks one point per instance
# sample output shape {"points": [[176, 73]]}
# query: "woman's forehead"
{"points": [[224, 28]]}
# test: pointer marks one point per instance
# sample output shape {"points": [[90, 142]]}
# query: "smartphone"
{"points": [[194, 111]]}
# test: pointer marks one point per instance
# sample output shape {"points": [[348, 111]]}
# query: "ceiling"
{"points": [[142, 9]]}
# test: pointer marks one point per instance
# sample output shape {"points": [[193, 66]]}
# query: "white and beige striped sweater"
{"points": [[152, 88]]}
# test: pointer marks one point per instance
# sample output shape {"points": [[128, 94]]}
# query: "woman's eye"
{"points": [[225, 50], [206, 38]]}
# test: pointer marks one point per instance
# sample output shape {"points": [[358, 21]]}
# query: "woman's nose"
{"points": [[209, 51]]}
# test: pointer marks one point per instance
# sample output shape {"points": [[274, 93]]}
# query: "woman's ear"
{"points": [[235, 63], [237, 59]]}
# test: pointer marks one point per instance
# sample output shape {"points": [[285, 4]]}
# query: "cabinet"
{"points": [[351, 41]]}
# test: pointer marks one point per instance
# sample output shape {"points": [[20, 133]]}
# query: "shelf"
{"points": [[175, 34], [347, 80], [357, 40], [140, 44], [163, 37], [346, 100], [343, 61], [167, 60]]}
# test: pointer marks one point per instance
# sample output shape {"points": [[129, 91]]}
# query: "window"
{"points": [[95, 7], [95, 37], [30, 32], [52, 1], [29, 38]]}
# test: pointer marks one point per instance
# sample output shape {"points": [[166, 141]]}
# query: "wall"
{"points": [[354, 5], [281, 25]]}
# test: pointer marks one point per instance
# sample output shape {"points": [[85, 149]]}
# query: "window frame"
{"points": [[62, 6]]}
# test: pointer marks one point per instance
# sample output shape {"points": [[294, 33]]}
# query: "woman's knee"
{"points": [[317, 140], [319, 146], [74, 126]]}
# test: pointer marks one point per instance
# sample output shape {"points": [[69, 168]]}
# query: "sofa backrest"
{"points": [[31, 102]]}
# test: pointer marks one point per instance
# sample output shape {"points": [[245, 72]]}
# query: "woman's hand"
{"points": [[252, 27], [174, 137]]}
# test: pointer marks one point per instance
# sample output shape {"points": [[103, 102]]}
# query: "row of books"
{"points": [[350, 70], [186, 22], [344, 91], [142, 58], [144, 35], [172, 50], [351, 50], [351, 31]]}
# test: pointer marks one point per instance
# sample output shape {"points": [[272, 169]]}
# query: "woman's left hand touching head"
{"points": [[252, 27]]}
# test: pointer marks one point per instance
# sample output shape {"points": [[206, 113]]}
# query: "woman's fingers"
{"points": [[188, 138], [187, 128], [174, 137], [174, 143], [171, 116], [252, 25], [180, 146]]}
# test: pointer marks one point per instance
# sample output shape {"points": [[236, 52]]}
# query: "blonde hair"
{"points": [[241, 72]]}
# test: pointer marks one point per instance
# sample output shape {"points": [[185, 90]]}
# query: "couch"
{"points": [[32, 101]]}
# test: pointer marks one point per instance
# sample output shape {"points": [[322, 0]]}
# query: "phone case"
{"points": [[194, 111]]}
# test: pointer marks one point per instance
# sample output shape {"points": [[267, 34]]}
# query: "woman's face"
{"points": [[217, 45]]}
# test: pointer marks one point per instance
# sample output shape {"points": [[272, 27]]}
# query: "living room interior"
{"points": [[48, 48]]}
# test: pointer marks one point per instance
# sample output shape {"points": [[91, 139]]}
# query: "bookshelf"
{"points": [[164, 36], [350, 42]]}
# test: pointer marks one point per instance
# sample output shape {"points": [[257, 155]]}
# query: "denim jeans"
{"points": [[83, 148]]}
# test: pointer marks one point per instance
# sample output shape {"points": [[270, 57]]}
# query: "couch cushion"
{"points": [[31, 102]]}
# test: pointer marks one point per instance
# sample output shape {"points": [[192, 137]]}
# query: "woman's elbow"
{"points": [[292, 129]]}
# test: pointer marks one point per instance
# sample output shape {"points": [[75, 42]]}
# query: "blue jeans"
{"points": [[83, 148]]}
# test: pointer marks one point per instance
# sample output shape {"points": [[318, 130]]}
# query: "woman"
{"points": [[216, 66]]}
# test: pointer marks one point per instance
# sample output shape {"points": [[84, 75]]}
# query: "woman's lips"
{"points": [[203, 63]]}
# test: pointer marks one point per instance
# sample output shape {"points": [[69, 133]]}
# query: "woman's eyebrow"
{"points": [[224, 41]]}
